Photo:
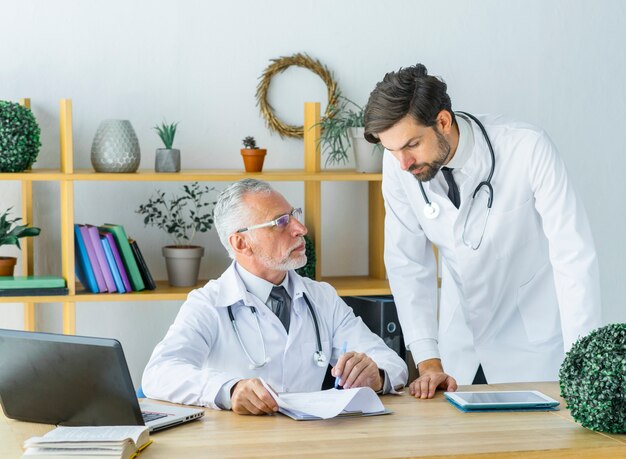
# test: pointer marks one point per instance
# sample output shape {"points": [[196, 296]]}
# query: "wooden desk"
{"points": [[418, 428]]}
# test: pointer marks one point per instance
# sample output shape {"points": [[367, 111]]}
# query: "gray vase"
{"points": [[115, 147], [183, 265], [167, 160]]}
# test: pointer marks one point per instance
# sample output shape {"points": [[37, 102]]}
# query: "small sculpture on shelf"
{"points": [[167, 159], [115, 147], [19, 137], [181, 217], [253, 156], [10, 234]]}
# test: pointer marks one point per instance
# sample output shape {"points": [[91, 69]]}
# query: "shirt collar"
{"points": [[465, 146], [260, 287]]}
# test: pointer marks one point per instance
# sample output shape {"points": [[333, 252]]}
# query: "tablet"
{"points": [[493, 400]]}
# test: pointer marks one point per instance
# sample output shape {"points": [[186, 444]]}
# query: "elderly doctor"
{"points": [[262, 320], [519, 271]]}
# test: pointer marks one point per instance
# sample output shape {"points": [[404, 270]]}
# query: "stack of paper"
{"points": [[89, 442], [326, 404]]}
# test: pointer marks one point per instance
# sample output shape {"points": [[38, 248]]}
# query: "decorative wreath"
{"points": [[280, 65]]}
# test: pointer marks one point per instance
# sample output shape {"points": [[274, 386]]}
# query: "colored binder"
{"points": [[26, 282], [118, 260], [93, 260], [52, 291], [83, 268], [111, 261], [127, 254], [143, 266], [101, 257]]}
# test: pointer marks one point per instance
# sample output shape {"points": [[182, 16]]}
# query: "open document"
{"points": [[326, 404]]}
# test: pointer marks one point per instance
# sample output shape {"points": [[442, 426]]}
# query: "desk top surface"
{"points": [[417, 428]]}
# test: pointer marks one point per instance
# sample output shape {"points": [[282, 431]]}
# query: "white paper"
{"points": [[107, 435]]}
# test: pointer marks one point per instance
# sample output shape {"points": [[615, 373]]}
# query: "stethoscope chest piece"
{"points": [[320, 359], [431, 210]]}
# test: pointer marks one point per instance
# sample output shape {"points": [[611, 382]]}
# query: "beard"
{"points": [[431, 169], [286, 263]]}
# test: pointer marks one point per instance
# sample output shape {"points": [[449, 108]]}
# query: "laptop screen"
{"points": [[65, 380]]}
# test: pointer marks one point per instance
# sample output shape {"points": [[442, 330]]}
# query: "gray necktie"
{"points": [[280, 303], [453, 189]]}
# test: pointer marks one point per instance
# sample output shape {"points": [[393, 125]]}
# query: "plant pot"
{"points": [[115, 147], [167, 160], [6, 265], [253, 159], [183, 264], [368, 157]]}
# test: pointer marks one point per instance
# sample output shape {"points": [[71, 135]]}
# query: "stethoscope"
{"points": [[319, 357], [432, 210]]}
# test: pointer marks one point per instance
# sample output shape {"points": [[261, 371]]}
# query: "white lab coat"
{"points": [[528, 292], [200, 352]]}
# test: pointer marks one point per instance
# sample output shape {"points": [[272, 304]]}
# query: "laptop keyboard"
{"points": [[151, 416]]}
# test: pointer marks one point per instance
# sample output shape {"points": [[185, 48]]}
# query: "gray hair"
{"points": [[230, 213]]}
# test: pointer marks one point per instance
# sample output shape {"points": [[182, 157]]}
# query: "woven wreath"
{"points": [[280, 65]]}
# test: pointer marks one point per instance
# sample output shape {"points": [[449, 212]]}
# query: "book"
{"points": [[52, 291], [101, 257], [25, 282], [143, 267], [82, 267], [111, 442], [112, 265], [118, 260], [127, 254], [93, 261], [326, 404]]}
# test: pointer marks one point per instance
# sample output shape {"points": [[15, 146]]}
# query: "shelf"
{"points": [[346, 286], [34, 175]]}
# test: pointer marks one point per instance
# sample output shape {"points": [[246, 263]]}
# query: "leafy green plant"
{"points": [[593, 379], [166, 132], [249, 143], [19, 137], [181, 217], [10, 233], [308, 270], [334, 139]]}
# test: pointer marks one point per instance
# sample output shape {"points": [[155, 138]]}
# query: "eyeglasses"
{"points": [[280, 223]]}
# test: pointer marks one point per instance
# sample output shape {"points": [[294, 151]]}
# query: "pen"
{"points": [[344, 348]]}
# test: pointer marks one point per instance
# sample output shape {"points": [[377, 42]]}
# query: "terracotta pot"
{"points": [[6, 265], [253, 159]]}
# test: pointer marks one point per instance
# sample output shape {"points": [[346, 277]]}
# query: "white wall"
{"points": [[559, 64]]}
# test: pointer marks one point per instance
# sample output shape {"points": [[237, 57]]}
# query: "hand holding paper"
{"points": [[252, 396]]}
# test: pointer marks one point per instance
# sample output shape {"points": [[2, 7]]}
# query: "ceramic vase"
{"points": [[115, 147], [167, 160]]}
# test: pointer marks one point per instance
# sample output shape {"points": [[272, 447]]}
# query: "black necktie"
{"points": [[280, 303], [453, 190]]}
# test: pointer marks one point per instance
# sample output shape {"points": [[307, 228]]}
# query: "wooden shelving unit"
{"points": [[374, 283]]}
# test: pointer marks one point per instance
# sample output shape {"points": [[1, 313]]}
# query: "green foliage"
{"points": [[167, 132], [249, 143], [181, 217], [10, 233], [19, 137], [593, 379], [334, 139], [308, 270]]}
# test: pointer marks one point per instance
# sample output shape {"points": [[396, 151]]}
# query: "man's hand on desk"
{"points": [[431, 378], [249, 396], [356, 369]]}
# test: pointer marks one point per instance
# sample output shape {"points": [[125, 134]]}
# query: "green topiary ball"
{"points": [[19, 137], [593, 379], [308, 270]]}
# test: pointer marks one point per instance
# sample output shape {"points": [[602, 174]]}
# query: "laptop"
{"points": [[75, 381]]}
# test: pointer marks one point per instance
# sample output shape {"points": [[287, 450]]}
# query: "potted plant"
{"points": [[19, 137], [167, 159], [10, 234], [181, 217], [344, 128], [253, 156]]}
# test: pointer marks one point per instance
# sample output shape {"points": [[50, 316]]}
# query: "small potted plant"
{"points": [[181, 217], [167, 159], [10, 234], [253, 156], [344, 128]]}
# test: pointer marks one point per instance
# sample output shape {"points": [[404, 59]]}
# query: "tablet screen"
{"points": [[501, 397]]}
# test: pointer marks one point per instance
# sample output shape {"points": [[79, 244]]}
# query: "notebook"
{"points": [[75, 381]]}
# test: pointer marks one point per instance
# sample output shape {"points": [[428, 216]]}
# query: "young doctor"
{"points": [[262, 320], [519, 271]]}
